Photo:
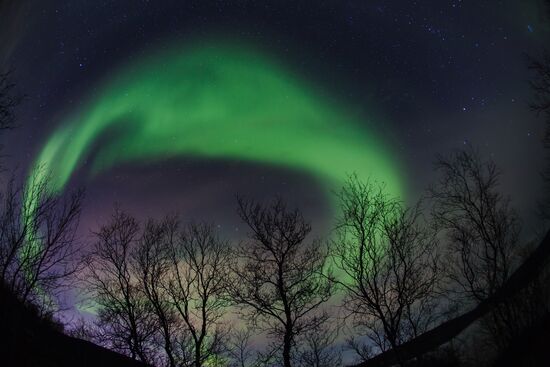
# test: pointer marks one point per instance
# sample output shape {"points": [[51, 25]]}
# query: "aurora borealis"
{"points": [[216, 101], [179, 106]]}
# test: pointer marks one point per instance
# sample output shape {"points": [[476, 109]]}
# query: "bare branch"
{"points": [[279, 279]]}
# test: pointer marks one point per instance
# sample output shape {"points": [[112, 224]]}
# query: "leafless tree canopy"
{"points": [[37, 229], [37, 245], [318, 347], [159, 289], [196, 285], [162, 290], [279, 279], [239, 348], [388, 263], [151, 265], [482, 233], [481, 229], [541, 105], [125, 318]]}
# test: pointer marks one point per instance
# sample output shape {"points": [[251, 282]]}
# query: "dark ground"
{"points": [[31, 341]]}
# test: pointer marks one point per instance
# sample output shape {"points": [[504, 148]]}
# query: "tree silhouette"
{"points": [[195, 284], [152, 267], [318, 347], [541, 105], [278, 279], [389, 265], [37, 247], [482, 232], [239, 349], [158, 290], [125, 317], [481, 228], [522, 277]]}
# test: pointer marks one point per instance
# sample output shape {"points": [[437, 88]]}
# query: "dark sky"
{"points": [[439, 74]]}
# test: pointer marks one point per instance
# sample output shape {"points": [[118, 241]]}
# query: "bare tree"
{"points": [[481, 228], [240, 350], [125, 317], [318, 347], [159, 290], [280, 280], [153, 265], [195, 285], [82, 329], [37, 243], [364, 351], [541, 105], [482, 232], [389, 265]]}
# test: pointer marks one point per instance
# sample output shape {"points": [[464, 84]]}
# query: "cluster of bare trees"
{"points": [[38, 251], [403, 272], [165, 293], [389, 263], [482, 234], [158, 290]]}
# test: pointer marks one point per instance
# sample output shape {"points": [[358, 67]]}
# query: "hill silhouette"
{"points": [[29, 340]]}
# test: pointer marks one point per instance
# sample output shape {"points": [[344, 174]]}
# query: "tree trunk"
{"points": [[198, 356], [287, 344]]}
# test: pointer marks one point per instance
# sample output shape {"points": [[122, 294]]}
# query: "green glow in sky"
{"points": [[215, 101]]}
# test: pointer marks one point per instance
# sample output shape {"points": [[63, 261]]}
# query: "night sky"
{"points": [[410, 79]]}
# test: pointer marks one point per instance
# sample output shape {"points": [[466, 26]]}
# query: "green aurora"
{"points": [[214, 101]]}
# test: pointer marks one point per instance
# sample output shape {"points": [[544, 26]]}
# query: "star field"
{"points": [[431, 75]]}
